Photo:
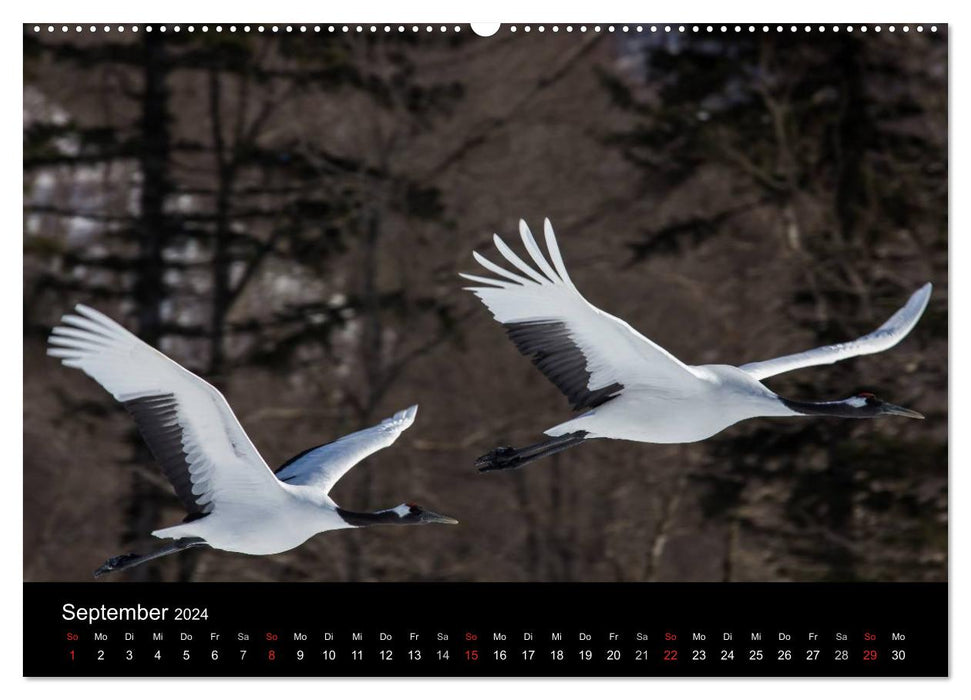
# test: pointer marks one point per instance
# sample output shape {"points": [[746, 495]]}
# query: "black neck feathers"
{"points": [[840, 409], [381, 517]]}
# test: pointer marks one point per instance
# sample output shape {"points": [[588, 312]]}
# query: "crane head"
{"points": [[868, 404], [414, 514]]}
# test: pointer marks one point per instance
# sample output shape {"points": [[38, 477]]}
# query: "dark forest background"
{"points": [[285, 214]]}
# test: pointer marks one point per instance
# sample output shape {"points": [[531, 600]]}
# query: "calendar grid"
{"points": [[465, 629]]}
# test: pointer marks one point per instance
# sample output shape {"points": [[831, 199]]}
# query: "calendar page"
{"points": [[359, 350]]}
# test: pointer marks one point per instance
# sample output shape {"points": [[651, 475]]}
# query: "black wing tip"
{"points": [[156, 416], [599, 397], [549, 346]]}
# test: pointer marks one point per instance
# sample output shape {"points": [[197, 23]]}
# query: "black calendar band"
{"points": [[496, 629]]}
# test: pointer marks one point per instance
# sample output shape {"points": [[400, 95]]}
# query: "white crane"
{"points": [[233, 500], [629, 387]]}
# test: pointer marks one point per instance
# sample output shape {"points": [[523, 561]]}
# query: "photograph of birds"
{"points": [[233, 500], [630, 388]]}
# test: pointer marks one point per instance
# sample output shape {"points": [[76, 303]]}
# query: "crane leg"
{"points": [[513, 458], [127, 561]]}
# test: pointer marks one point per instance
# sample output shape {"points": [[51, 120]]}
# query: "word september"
{"points": [[139, 613]]}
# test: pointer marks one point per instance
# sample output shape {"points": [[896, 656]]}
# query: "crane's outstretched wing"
{"points": [[322, 466], [588, 354], [186, 422], [883, 338]]}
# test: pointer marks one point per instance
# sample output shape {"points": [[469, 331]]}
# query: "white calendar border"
{"points": [[438, 11]]}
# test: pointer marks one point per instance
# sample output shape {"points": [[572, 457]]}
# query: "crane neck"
{"points": [[366, 519], [846, 408]]}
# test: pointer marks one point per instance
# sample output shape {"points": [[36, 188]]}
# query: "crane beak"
{"points": [[429, 517], [890, 409]]}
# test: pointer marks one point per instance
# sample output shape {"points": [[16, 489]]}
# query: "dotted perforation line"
{"points": [[244, 28], [726, 28], [442, 28]]}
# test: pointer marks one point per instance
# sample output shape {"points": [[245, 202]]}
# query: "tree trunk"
{"points": [[220, 253], [149, 291]]}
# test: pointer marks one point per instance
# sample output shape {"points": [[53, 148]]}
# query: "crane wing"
{"points": [[883, 338], [188, 425], [588, 354], [322, 466]]}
